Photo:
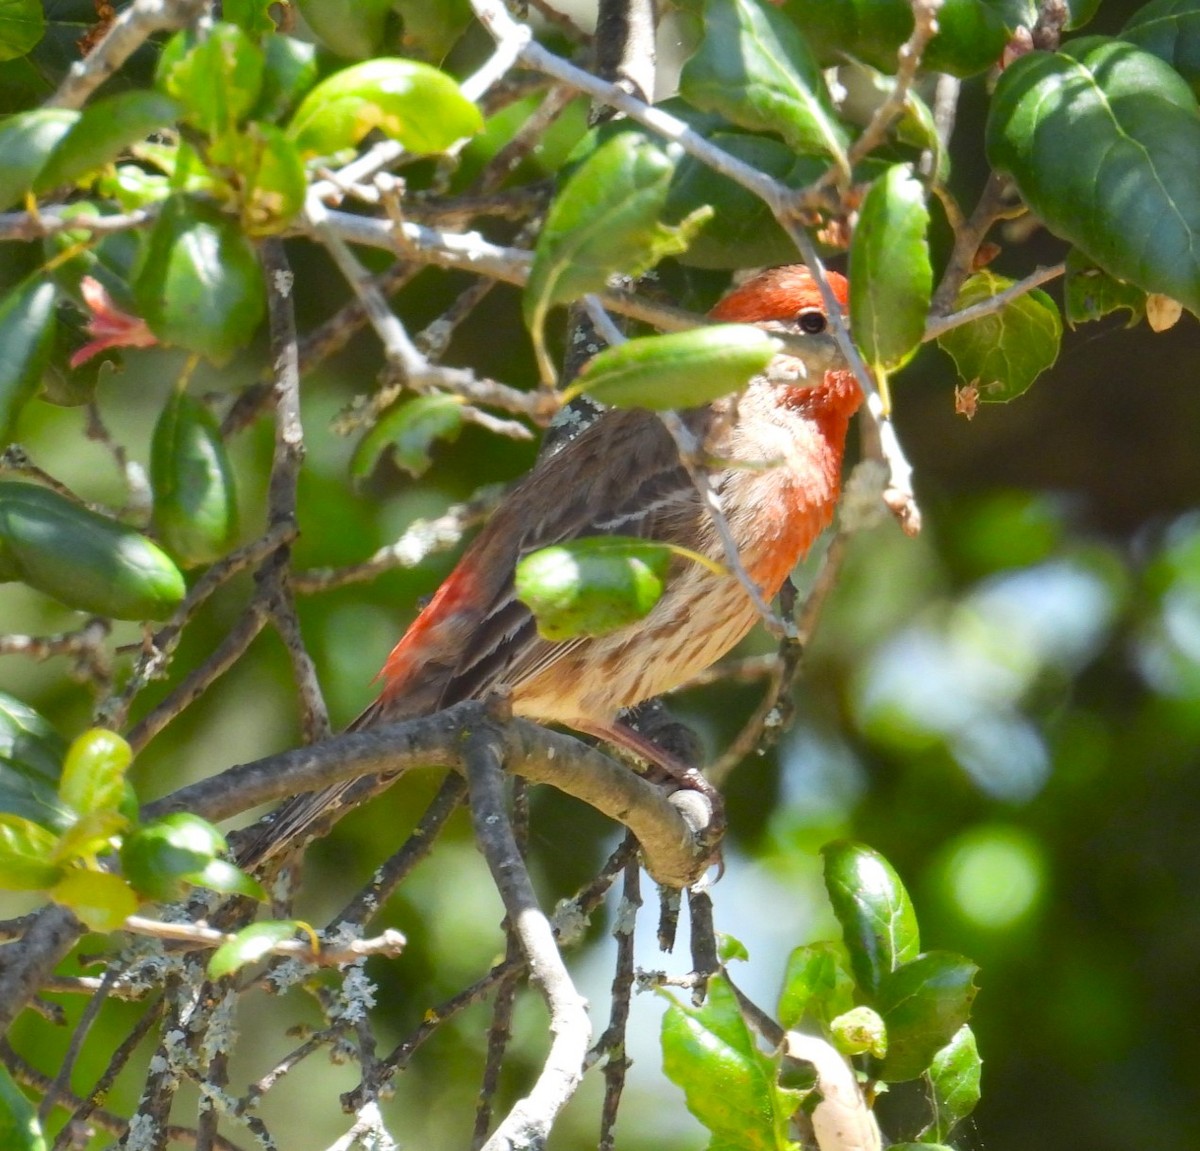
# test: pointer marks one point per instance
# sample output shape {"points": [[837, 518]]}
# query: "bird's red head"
{"points": [[782, 295]]}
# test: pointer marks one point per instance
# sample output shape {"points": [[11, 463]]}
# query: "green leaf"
{"points": [[27, 855], [84, 560], [19, 1126], [225, 877], [756, 70], [891, 278], [878, 922], [680, 370], [290, 69], [431, 30], [250, 945], [160, 858], [76, 252], [730, 1085], [254, 16], [27, 328], [1103, 142], [1090, 293], [817, 985], [741, 231], [269, 174], [592, 586], [422, 108], [195, 494], [605, 220], [407, 432], [1170, 30], [93, 774], [1003, 353], [103, 131], [953, 1079], [971, 33], [102, 900], [22, 25], [199, 285], [26, 141], [217, 79], [31, 755], [730, 949], [923, 1004], [350, 28], [90, 836]]}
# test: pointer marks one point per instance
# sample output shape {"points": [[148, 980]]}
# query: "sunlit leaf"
{"points": [[26, 855], [20, 1129], [27, 328], [93, 774], [407, 433], [953, 1078], [250, 945], [102, 900], [26, 141]]}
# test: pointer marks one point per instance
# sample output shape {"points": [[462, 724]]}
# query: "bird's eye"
{"points": [[812, 321]]}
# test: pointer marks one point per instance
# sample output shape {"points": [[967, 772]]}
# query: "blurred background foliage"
{"points": [[1008, 708]]}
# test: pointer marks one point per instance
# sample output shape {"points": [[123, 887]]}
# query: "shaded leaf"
{"points": [[82, 559], [31, 755], [891, 278], [1004, 352], [26, 141], [93, 773], [953, 1085], [756, 70], [411, 102], [1170, 30], [89, 836], [407, 432], [1090, 293], [250, 945], [289, 70], [1103, 142], [923, 1004], [592, 586], [878, 922], [195, 494], [102, 900], [103, 131], [199, 285], [731, 1086], [680, 370], [350, 28], [19, 1126], [22, 25], [27, 329]]}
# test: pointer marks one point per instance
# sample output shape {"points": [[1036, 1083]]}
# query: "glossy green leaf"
{"points": [[27, 328], [741, 232], [250, 945], [93, 773], [289, 70], [953, 1085], [102, 900], [217, 78], [103, 131], [31, 755], [26, 855], [199, 285], [253, 16], [26, 141], [817, 985], [756, 70], [878, 922], [1004, 352], [971, 33], [923, 1004], [680, 370], [195, 493], [90, 836], [891, 278], [82, 559], [605, 220], [859, 1031], [350, 28], [410, 102], [1103, 142], [730, 950], [1090, 293], [1170, 30], [227, 878], [407, 433], [731, 1086], [592, 586], [20, 1129], [159, 859], [22, 25]]}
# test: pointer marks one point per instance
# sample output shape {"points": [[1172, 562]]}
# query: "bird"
{"points": [[774, 453]]}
